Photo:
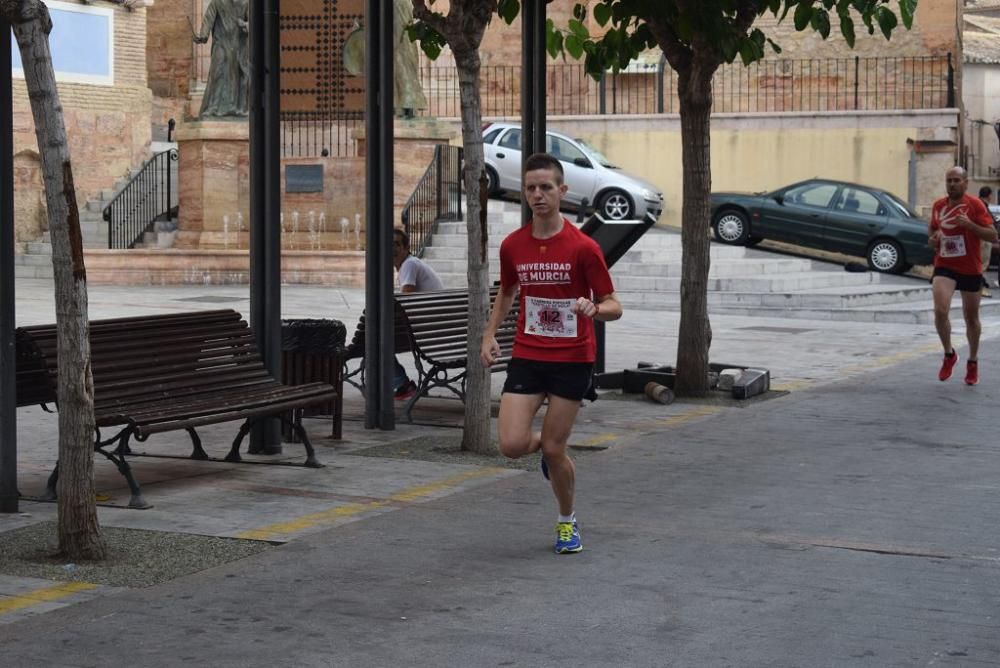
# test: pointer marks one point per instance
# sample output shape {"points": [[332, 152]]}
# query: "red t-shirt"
{"points": [[552, 273], [960, 248]]}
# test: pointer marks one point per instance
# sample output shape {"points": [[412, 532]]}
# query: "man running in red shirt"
{"points": [[959, 223], [565, 286]]}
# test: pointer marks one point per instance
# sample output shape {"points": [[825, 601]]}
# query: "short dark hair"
{"points": [[985, 192], [403, 237], [544, 161]]}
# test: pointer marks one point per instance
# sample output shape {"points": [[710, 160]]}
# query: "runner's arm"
{"points": [[490, 349], [608, 308], [982, 231]]}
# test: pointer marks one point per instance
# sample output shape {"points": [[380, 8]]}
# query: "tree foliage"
{"points": [[714, 30], [696, 37]]}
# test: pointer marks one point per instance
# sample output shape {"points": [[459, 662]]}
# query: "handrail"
{"points": [[148, 196], [438, 196]]}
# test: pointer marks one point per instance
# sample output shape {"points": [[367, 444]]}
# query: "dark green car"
{"points": [[828, 215]]}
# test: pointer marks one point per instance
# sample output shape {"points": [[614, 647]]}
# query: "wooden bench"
{"points": [[162, 373], [434, 326]]}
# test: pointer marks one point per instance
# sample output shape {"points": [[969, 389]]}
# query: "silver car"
{"points": [[590, 176]]}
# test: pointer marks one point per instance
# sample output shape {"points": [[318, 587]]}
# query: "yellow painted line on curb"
{"points": [[410, 495], [46, 595], [859, 368], [600, 440], [889, 360], [693, 414]]}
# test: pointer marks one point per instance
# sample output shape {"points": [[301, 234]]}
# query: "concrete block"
{"points": [[751, 383], [728, 377]]}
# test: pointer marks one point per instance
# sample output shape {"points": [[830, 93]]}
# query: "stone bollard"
{"points": [[659, 393]]}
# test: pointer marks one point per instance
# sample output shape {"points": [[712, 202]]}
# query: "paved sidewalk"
{"points": [[851, 522]]}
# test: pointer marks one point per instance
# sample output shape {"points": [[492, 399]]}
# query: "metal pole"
{"points": [[265, 233], [538, 77], [8, 402], [528, 49], [532, 85], [379, 315]]}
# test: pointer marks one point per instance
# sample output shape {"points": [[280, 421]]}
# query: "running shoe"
{"points": [[405, 391], [947, 365], [568, 538], [545, 468], [972, 373]]}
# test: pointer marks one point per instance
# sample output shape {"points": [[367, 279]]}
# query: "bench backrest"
{"points": [[450, 305], [438, 326], [145, 357]]}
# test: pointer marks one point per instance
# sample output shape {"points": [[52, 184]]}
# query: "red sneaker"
{"points": [[972, 373], [947, 365]]}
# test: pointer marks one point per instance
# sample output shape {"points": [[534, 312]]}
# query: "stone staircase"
{"points": [[36, 261], [741, 281]]}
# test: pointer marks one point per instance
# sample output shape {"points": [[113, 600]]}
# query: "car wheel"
{"points": [[732, 227], [492, 182], [615, 205], [886, 255]]}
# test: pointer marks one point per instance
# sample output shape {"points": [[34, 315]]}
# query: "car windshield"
{"points": [[902, 207], [595, 155]]}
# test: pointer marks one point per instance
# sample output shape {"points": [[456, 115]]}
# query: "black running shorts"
{"points": [[964, 282], [569, 380]]}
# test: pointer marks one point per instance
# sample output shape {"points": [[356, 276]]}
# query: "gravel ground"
{"points": [[137, 558]]}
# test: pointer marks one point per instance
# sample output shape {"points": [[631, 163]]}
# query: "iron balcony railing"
{"points": [[778, 85], [150, 195], [438, 196]]}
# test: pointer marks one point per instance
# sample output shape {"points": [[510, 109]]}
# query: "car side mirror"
{"points": [[582, 162], [779, 198]]}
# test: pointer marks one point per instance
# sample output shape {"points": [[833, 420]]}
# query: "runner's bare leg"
{"points": [[556, 428], [943, 290]]}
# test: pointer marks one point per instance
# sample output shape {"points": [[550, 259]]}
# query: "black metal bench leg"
{"points": [[118, 459], [197, 452], [234, 452], [422, 390], [50, 486], [311, 461]]}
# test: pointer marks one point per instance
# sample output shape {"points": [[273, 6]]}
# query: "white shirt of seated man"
{"points": [[415, 275]]}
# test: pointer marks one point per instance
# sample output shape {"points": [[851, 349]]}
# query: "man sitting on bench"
{"points": [[415, 275]]}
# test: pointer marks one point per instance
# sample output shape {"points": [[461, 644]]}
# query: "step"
{"points": [[638, 254], [492, 228], [33, 271], [157, 147], [916, 312], [719, 268]]}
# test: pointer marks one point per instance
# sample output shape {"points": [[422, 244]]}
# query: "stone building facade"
{"points": [[107, 124]]}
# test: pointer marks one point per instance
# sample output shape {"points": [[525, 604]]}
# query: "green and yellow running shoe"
{"points": [[568, 538]]}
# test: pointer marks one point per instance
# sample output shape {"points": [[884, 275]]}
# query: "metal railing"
{"points": [[149, 196], [438, 196], [779, 85], [308, 134]]}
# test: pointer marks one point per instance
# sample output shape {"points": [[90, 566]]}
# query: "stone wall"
{"points": [[170, 57], [108, 127], [902, 77]]}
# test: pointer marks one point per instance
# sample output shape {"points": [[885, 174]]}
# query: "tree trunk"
{"points": [[694, 87], [476, 436], [79, 532]]}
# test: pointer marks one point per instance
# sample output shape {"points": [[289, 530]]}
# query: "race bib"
{"points": [[952, 246], [550, 317]]}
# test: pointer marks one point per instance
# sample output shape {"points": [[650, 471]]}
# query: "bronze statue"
{"points": [[409, 96], [227, 91]]}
